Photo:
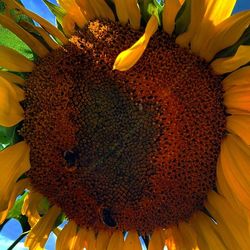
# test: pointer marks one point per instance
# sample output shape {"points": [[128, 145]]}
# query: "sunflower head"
{"points": [[129, 121]]}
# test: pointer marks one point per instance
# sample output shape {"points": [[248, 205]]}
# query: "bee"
{"points": [[107, 217], [70, 158]]}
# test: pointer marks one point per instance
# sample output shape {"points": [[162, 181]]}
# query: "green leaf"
{"points": [[183, 18], [231, 50], [9, 135], [58, 11]]}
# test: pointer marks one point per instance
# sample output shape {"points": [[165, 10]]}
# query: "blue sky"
{"points": [[12, 230]]}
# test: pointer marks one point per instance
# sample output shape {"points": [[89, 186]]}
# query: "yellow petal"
{"points": [[90, 240], [237, 78], [206, 236], [17, 190], [81, 239], [174, 239], [226, 34], [132, 241], [14, 161], [68, 25], [74, 11], [239, 125], [156, 242], [12, 60], [128, 58], [134, 13], [116, 241], [10, 110], [67, 237], [86, 9], [30, 207], [237, 99], [169, 13], [224, 213], [44, 23], [188, 235], [30, 40], [102, 9], [13, 78], [103, 239], [121, 11], [39, 234], [198, 9], [216, 12], [229, 64]]}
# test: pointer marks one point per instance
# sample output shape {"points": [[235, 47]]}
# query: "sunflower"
{"points": [[129, 124]]}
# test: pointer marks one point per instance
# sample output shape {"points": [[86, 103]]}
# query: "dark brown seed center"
{"points": [[127, 150]]}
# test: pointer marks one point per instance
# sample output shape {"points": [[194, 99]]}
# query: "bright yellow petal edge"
{"points": [[230, 206]]}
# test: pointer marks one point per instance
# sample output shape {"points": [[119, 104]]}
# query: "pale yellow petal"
{"points": [[10, 110], [14, 61], [216, 12], [19, 187], [226, 34], [206, 236], [44, 23], [67, 238], [224, 213], [198, 9], [14, 161], [169, 13], [121, 11], [116, 241], [103, 239], [13, 78], [237, 99], [39, 234], [156, 241], [132, 241], [237, 78], [30, 40], [239, 125], [229, 64], [128, 58]]}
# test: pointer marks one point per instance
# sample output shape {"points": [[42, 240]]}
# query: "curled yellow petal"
{"points": [[132, 241], [128, 58], [229, 64], [19, 187], [30, 40], [14, 161], [67, 237], [39, 234], [10, 110], [116, 241], [13, 78], [14, 61], [169, 13]]}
